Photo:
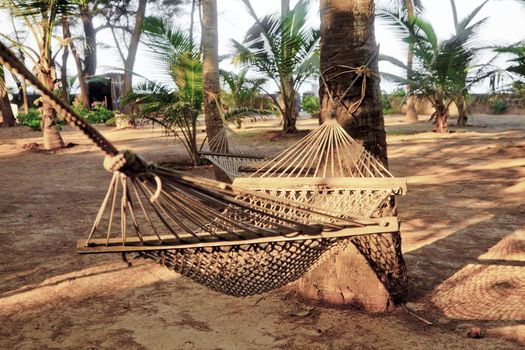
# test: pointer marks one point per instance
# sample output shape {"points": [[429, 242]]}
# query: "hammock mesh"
{"points": [[235, 241], [229, 153]]}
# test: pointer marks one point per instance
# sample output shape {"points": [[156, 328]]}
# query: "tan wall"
{"points": [[480, 104]]}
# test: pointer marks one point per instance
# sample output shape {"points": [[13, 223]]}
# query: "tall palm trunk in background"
{"points": [[411, 115], [8, 119], [210, 73], [47, 75], [290, 111], [354, 276]]}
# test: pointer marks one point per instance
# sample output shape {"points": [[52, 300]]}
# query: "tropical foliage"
{"points": [[443, 69], [285, 49], [243, 93], [176, 101], [40, 17]]}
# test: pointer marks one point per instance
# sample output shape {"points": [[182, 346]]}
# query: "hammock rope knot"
{"points": [[128, 163]]}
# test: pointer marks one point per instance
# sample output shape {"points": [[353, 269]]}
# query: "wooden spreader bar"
{"points": [[149, 243], [231, 155], [395, 185]]}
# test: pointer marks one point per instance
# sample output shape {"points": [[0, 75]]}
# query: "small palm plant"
{"points": [[517, 60], [242, 97], [176, 103], [443, 70], [285, 49]]}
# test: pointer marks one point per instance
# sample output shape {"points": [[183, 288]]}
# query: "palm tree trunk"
{"points": [[210, 74], [47, 74], [411, 115], [354, 276], [63, 74], [441, 117], [90, 41], [8, 118], [25, 100], [462, 106]]}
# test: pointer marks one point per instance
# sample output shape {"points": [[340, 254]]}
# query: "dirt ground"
{"points": [[463, 227]]}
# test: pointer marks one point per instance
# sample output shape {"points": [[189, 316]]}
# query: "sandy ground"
{"points": [[464, 243]]}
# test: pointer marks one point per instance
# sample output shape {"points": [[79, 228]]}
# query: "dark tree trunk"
{"points": [[411, 115], [355, 276], [347, 38], [63, 72], [440, 124], [90, 42], [8, 118], [210, 75], [462, 112]]}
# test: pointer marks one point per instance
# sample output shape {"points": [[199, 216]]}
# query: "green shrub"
{"points": [[311, 105], [392, 103], [31, 119], [499, 106], [385, 105], [98, 114]]}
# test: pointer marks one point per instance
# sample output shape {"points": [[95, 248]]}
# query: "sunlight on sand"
{"points": [[106, 279], [510, 248], [417, 233]]}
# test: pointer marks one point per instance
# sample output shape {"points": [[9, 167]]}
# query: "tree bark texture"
{"points": [[90, 42], [63, 72], [8, 118], [369, 271], [347, 38], [411, 115], [47, 75], [210, 75]]}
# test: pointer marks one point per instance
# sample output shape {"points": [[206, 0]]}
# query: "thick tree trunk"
{"points": [[8, 118], [440, 116], [210, 74], [47, 75], [462, 112], [63, 74], [370, 271], [90, 42], [441, 122], [132, 51], [411, 115], [84, 91], [290, 118]]}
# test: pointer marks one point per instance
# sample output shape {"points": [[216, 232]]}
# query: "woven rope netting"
{"points": [[329, 169], [230, 153]]}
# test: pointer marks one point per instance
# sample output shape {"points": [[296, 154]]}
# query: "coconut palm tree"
{"points": [[444, 70], [285, 49], [349, 54], [40, 17]]}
